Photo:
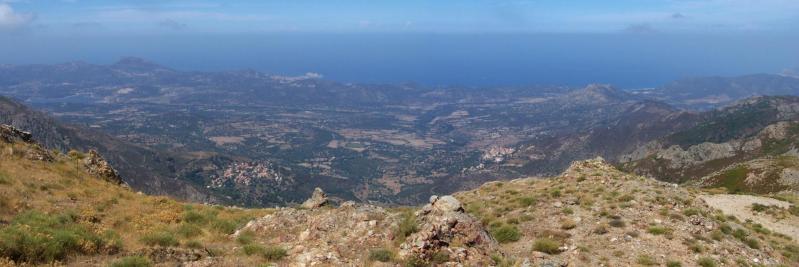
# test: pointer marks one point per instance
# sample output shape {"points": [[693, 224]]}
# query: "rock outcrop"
{"points": [[95, 164], [9, 134], [444, 228], [34, 151], [318, 199]]}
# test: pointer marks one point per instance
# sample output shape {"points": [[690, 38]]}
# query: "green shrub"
{"points": [[274, 253], [717, 235], [706, 262], [726, 229], [600, 230], [251, 249], [528, 201], [160, 238], [506, 234], [224, 226], [757, 207], [132, 261], [658, 230], [189, 230], [407, 226], [617, 223], [646, 260], [760, 229], [794, 210], [690, 212], [740, 234], [4, 179], [36, 237], [194, 217], [547, 245], [381, 255], [752, 243], [673, 264], [245, 237]]}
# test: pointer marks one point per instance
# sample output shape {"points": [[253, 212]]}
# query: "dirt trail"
{"points": [[740, 206]]}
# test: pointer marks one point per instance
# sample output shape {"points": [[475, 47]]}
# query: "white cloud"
{"points": [[11, 20]]}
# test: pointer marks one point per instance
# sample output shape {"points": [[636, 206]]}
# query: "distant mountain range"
{"points": [[713, 92], [250, 138]]}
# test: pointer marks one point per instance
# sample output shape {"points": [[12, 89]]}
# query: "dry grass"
{"points": [[58, 187]]}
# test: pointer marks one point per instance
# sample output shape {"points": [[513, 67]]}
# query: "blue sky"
{"points": [[434, 16]]}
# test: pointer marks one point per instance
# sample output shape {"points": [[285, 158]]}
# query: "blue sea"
{"points": [[625, 60]]}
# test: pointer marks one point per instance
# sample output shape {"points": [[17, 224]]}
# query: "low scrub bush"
{"points": [[245, 237], [547, 245], [407, 226], [189, 230], [673, 264], [646, 260], [274, 253], [506, 234], [36, 237], [381, 255], [160, 238], [658, 230], [251, 249], [706, 262]]}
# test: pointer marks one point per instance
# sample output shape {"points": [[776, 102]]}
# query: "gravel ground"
{"points": [[741, 207]]}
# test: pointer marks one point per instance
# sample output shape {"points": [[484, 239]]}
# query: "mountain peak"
{"points": [[598, 93]]}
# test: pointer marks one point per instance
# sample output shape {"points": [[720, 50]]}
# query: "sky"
{"points": [[440, 16], [435, 41]]}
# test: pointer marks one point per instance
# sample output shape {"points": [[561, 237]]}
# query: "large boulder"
{"points": [[318, 199], [444, 228]]}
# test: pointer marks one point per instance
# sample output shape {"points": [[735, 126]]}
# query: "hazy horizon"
{"points": [[630, 44]]}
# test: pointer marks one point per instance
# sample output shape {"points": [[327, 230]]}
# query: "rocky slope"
{"points": [[595, 215], [76, 214], [748, 147]]}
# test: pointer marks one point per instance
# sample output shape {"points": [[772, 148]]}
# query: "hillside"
{"points": [[71, 209], [747, 147], [595, 215], [144, 169]]}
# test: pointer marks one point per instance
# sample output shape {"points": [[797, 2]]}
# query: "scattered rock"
{"points": [[166, 254]]}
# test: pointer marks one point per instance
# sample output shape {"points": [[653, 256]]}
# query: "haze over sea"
{"points": [[625, 60], [628, 43]]}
